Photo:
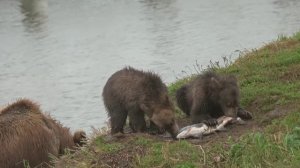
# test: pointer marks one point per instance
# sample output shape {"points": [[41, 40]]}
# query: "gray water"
{"points": [[60, 53]]}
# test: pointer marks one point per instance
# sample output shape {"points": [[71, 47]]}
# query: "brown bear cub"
{"points": [[28, 137], [136, 93], [210, 96]]}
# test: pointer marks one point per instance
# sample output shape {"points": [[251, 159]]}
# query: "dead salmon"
{"points": [[200, 129]]}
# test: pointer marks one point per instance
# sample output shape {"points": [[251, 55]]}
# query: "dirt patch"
{"points": [[121, 158], [232, 130], [125, 157], [292, 74], [273, 114]]}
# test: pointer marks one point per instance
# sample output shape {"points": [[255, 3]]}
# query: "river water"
{"points": [[60, 53]]}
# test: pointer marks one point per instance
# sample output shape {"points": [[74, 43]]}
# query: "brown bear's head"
{"points": [[165, 118], [227, 93], [161, 113]]}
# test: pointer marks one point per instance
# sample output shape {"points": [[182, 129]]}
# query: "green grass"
{"points": [[171, 154], [107, 147], [281, 148], [176, 85], [277, 146], [143, 141], [269, 79]]}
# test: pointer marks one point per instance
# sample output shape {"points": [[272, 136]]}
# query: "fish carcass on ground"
{"points": [[200, 129]]}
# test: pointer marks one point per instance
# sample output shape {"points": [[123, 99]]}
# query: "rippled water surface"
{"points": [[60, 53]]}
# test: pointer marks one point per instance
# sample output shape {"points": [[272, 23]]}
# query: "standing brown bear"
{"points": [[136, 93], [28, 137], [210, 96]]}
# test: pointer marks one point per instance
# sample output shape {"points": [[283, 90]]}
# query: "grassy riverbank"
{"points": [[269, 80]]}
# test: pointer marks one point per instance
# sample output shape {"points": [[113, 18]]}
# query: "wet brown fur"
{"points": [[136, 93], [209, 96], [28, 134]]}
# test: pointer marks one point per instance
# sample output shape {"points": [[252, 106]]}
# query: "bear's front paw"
{"points": [[211, 122], [244, 114]]}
